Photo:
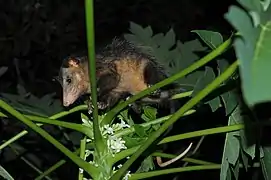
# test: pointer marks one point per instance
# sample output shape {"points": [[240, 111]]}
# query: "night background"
{"points": [[35, 36]]}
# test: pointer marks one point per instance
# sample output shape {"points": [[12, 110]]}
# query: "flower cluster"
{"points": [[115, 144]]}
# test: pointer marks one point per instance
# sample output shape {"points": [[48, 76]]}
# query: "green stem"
{"points": [[231, 128], [51, 169], [56, 116], [192, 102], [99, 141], [173, 170], [77, 127], [111, 114], [182, 95], [86, 166], [82, 156]]}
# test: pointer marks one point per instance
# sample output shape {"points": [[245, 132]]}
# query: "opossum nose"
{"points": [[66, 103]]}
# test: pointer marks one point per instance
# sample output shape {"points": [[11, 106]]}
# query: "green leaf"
{"points": [[189, 82], [30, 104], [238, 118], [235, 169], [125, 116], [141, 36], [187, 53], [184, 57], [132, 141], [5, 174], [157, 38], [230, 101], [266, 163], [214, 104], [202, 82], [149, 113], [140, 130], [142, 33], [229, 98], [148, 31], [250, 150], [212, 39], [244, 159], [225, 172], [169, 40], [222, 65], [229, 174], [232, 149], [253, 49], [232, 146], [83, 116], [146, 165], [252, 5]]}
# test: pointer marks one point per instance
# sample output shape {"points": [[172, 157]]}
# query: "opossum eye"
{"points": [[69, 80]]}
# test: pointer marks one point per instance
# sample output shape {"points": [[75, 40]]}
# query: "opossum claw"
{"points": [[100, 105], [156, 92]]}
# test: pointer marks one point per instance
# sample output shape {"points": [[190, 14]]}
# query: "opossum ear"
{"points": [[73, 62]]}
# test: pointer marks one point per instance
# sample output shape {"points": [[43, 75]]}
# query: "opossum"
{"points": [[122, 69]]}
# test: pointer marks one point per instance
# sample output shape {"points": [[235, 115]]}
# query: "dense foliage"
{"points": [[223, 74]]}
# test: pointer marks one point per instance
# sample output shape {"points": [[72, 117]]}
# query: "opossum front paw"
{"points": [[102, 105], [156, 92]]}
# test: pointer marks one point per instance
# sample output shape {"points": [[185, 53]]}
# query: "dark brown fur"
{"points": [[122, 69]]}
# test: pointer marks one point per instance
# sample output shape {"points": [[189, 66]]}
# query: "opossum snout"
{"points": [[66, 103], [68, 100]]}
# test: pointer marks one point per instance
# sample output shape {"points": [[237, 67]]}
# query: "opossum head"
{"points": [[74, 80]]}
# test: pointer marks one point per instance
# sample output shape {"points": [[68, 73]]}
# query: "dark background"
{"points": [[41, 33], [36, 35]]}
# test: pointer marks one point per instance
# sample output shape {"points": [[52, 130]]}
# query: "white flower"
{"points": [[123, 124], [89, 140], [120, 117], [81, 171], [108, 129], [126, 177], [120, 126], [87, 123], [87, 153], [116, 144]]}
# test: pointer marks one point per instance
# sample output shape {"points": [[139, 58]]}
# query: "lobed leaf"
{"points": [[253, 48]]}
